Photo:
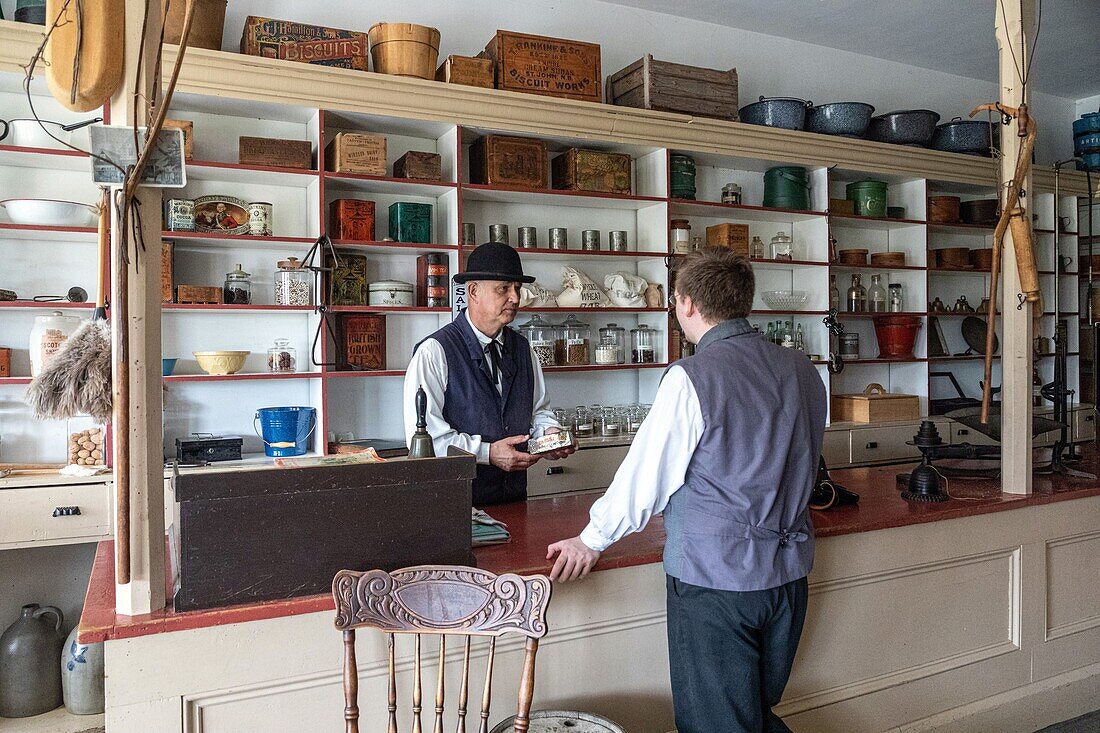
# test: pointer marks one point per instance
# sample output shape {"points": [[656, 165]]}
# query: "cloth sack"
{"points": [[625, 290], [533, 295], [579, 291]]}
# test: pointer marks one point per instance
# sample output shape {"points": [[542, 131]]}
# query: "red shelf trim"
{"points": [[217, 164], [48, 305], [333, 176], [883, 219], [842, 266], [386, 309], [241, 376], [46, 228], [236, 308], [42, 151], [561, 192], [744, 207], [394, 245], [234, 237]]}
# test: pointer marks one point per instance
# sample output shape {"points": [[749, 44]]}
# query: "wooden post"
{"points": [[1015, 19], [144, 463]]}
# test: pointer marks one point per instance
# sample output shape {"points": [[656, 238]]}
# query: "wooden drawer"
{"points": [[837, 448], [963, 434], [26, 515], [1084, 425], [589, 468], [882, 444]]}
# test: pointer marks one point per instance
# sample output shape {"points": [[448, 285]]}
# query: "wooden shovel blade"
{"points": [[96, 33]]}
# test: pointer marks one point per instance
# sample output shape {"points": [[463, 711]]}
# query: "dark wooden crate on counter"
{"points": [[199, 294], [361, 153], [504, 160], [591, 170], [275, 152], [556, 67], [310, 44], [651, 84], [361, 342], [269, 533], [467, 70], [419, 165], [351, 219]]}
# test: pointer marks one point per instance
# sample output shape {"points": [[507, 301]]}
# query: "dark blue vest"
{"points": [[471, 404]]}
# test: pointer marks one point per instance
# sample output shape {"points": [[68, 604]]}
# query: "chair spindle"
{"points": [[487, 697], [351, 684], [526, 687], [464, 690], [439, 687], [393, 690], [418, 690]]}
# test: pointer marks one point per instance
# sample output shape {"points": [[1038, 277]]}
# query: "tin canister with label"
{"points": [[616, 241], [528, 237], [498, 233], [849, 345], [259, 219], [179, 215], [559, 238], [590, 240]]}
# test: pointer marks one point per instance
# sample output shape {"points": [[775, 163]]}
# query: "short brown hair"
{"points": [[720, 283]]}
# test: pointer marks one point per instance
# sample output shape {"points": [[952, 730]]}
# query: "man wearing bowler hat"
{"points": [[486, 392]]}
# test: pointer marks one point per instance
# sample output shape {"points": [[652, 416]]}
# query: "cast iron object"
{"points": [[980, 211], [788, 113], [973, 330], [421, 444], [904, 127], [30, 663], [848, 119], [924, 481], [965, 136]]}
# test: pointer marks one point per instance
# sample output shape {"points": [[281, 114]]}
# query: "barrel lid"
{"points": [[382, 285], [562, 721]]}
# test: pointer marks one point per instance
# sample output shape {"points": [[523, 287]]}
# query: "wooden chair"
{"points": [[441, 600]]}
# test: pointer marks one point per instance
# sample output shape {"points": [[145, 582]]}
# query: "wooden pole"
{"points": [[138, 292], [1015, 19]]}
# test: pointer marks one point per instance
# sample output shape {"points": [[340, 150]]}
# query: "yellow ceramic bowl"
{"points": [[221, 362]]}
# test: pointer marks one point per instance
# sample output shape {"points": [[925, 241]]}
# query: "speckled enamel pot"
{"points": [[849, 119], [788, 113], [904, 127], [964, 136]]}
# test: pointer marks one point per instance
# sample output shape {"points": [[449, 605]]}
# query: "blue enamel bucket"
{"points": [[285, 431]]}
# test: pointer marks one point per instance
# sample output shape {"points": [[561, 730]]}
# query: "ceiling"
{"points": [[953, 36]]}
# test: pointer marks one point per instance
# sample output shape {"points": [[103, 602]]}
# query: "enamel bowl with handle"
{"points": [[49, 212]]}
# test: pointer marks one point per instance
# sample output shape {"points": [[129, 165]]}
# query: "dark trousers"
{"points": [[730, 654]]}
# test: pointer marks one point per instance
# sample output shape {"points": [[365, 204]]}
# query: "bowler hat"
{"points": [[494, 261]]}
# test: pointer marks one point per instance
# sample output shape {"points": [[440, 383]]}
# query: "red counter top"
{"points": [[538, 522]]}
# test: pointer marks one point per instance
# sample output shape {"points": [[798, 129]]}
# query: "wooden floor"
{"points": [[1088, 723]]}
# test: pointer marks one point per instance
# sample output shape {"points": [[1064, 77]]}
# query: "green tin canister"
{"points": [[411, 222], [681, 176], [787, 187], [869, 197]]}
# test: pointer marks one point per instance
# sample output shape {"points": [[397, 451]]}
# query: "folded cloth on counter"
{"points": [[486, 530], [75, 470]]}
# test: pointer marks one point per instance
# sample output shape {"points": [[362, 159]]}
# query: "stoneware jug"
{"points": [[30, 663], [82, 676]]}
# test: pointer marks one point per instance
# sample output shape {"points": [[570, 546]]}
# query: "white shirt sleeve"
{"points": [[542, 417], [655, 466], [428, 368]]}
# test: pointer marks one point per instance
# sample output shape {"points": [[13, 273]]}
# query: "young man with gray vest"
{"points": [[730, 453], [486, 393]]}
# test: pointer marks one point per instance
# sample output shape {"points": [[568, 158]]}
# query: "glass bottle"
{"points": [[895, 300], [770, 333], [680, 236], [857, 295], [876, 295], [582, 422], [757, 251], [642, 345], [616, 336], [282, 357], [799, 339], [238, 287], [292, 283], [597, 417], [834, 294], [610, 427], [578, 340], [696, 243]]}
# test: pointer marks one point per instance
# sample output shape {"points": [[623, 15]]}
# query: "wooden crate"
{"points": [[591, 170], [275, 152], [503, 160], [188, 128], [468, 70], [555, 67], [167, 284], [351, 219], [419, 165], [875, 405], [309, 44], [199, 294], [651, 84], [730, 236], [362, 153]]}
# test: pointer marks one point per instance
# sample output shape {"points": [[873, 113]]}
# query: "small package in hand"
{"points": [[550, 442]]}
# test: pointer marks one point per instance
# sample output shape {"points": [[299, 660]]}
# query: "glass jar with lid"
{"points": [[292, 283], [895, 299], [616, 336], [876, 295], [582, 422], [541, 335], [606, 352], [48, 335], [782, 246], [238, 287], [610, 427], [578, 340], [635, 415], [680, 231], [282, 357], [643, 345]]}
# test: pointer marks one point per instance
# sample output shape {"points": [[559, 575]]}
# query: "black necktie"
{"points": [[493, 350]]}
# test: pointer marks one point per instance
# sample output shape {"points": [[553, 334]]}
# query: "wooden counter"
{"points": [[536, 523]]}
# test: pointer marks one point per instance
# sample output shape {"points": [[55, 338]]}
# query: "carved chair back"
{"points": [[441, 600]]}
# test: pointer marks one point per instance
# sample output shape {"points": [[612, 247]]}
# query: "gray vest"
{"points": [[741, 520]]}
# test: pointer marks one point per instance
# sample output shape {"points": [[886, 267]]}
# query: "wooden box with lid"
{"points": [[556, 67], [875, 404], [591, 170], [729, 236], [419, 166], [275, 152], [309, 44], [351, 219], [361, 153], [504, 160], [651, 84]]}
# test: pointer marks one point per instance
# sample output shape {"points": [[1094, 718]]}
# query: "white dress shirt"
{"points": [[428, 368], [654, 467]]}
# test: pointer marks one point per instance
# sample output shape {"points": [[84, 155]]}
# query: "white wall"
{"points": [[1088, 104], [767, 65]]}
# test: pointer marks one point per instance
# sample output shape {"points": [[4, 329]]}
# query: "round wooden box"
{"points": [[981, 259], [954, 257], [852, 256], [943, 209], [888, 259]]}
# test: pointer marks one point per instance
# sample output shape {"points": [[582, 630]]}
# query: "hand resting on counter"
{"points": [[575, 559]]}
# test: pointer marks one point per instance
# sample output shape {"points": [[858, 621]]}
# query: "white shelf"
{"points": [[235, 173], [55, 721], [717, 210], [348, 183], [550, 197]]}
